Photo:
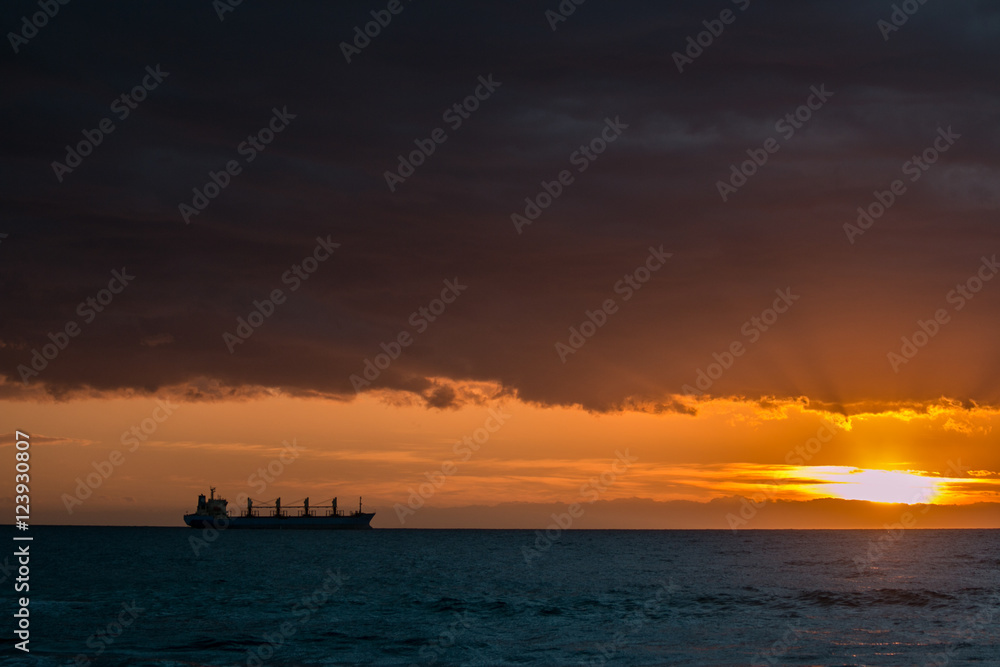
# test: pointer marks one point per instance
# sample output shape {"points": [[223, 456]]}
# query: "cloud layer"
{"points": [[656, 184]]}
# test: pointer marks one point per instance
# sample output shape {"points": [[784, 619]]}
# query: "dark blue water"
{"points": [[140, 596]]}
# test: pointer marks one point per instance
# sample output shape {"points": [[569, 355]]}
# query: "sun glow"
{"points": [[880, 486]]}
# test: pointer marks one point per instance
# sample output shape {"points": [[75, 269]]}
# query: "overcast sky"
{"points": [[655, 184]]}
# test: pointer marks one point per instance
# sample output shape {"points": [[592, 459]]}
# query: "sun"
{"points": [[881, 486]]}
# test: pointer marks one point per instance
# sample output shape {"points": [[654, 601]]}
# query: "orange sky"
{"points": [[398, 453]]}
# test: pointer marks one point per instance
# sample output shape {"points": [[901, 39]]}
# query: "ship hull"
{"points": [[355, 522]]}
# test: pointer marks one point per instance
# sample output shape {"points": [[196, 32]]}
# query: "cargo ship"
{"points": [[213, 512]]}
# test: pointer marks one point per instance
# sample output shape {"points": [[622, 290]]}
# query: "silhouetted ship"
{"points": [[213, 513]]}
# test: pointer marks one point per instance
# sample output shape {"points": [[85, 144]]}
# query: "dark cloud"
{"points": [[323, 176], [36, 439]]}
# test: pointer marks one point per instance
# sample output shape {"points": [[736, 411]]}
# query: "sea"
{"points": [[177, 596]]}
